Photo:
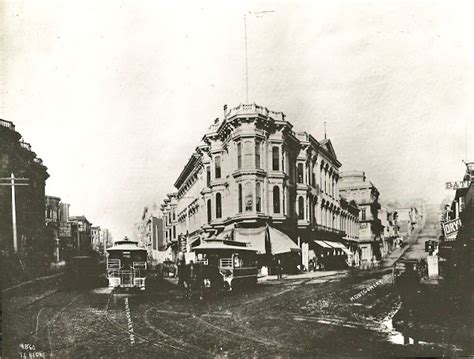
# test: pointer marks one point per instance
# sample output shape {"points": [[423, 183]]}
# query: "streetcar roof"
{"points": [[126, 247]]}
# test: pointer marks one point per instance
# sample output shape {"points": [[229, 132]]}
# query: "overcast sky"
{"points": [[115, 95]]}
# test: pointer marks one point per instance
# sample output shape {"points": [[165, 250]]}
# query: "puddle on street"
{"points": [[394, 336]]}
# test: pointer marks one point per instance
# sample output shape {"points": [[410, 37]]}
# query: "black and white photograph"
{"points": [[236, 179]]}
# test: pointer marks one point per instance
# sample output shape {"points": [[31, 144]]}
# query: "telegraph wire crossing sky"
{"points": [[115, 108]]}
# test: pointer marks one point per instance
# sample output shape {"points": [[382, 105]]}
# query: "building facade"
{"points": [[149, 233], [81, 239], [18, 158], [354, 186], [252, 175]]}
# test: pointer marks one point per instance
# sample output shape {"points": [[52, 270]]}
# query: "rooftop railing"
{"points": [[246, 109], [25, 145], [7, 124]]}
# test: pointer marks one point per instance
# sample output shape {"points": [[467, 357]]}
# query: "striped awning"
{"points": [[322, 244], [255, 237]]}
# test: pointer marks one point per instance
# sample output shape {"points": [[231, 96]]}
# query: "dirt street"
{"points": [[346, 313]]}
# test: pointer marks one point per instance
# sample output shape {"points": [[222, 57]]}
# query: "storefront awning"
{"points": [[322, 244], [339, 245], [279, 241]]}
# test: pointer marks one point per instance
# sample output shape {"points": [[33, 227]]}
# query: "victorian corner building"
{"points": [[254, 179]]}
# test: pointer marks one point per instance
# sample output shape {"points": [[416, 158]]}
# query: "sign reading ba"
{"points": [[451, 227], [458, 184]]}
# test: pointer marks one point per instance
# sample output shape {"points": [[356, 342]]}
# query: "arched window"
{"points": [[276, 199], [248, 197], [240, 198], [259, 197], [300, 173], [209, 211], [275, 158], [300, 207], [218, 205]]}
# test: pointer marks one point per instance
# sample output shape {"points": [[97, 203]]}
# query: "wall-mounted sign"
{"points": [[65, 230], [458, 184], [451, 227]]}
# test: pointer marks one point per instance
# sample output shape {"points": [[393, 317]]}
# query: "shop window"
{"points": [[276, 199]]}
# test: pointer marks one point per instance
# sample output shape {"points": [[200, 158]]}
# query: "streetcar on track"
{"points": [[227, 264], [127, 265], [82, 272]]}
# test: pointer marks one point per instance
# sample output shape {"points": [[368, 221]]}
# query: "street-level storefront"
{"points": [[326, 255], [274, 248]]}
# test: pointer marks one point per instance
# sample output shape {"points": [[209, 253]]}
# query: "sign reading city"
{"points": [[458, 184], [451, 227]]}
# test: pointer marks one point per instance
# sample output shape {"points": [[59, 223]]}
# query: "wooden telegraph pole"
{"points": [[12, 181]]}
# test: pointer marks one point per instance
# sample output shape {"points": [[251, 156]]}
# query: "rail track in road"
{"points": [[162, 345]]}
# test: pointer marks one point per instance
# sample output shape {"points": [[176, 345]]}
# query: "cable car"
{"points": [[82, 272], [234, 261], [126, 265]]}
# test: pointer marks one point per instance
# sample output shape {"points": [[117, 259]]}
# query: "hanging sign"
{"points": [[451, 227]]}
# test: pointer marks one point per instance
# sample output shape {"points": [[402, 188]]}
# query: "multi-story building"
{"points": [[149, 234], [170, 225], [18, 159], [100, 238], [389, 222], [81, 239], [53, 217], [354, 186], [253, 179]]}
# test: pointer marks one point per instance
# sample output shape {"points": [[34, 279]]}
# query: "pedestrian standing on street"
{"points": [[181, 273], [279, 269]]}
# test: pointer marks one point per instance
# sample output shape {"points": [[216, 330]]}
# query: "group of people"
{"points": [[198, 277]]}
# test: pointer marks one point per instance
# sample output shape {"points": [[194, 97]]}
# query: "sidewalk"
{"points": [[305, 275]]}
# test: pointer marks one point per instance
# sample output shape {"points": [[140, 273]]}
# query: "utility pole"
{"points": [[12, 181]]}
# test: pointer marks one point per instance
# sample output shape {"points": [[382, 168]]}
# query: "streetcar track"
{"points": [[50, 321], [164, 335], [142, 337]]}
